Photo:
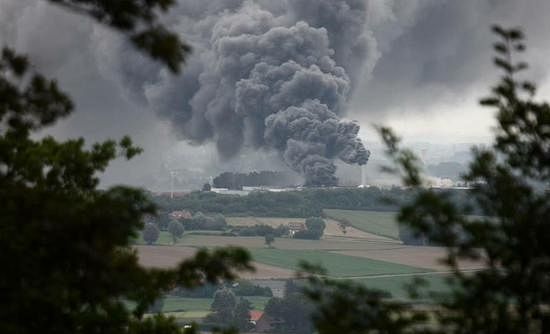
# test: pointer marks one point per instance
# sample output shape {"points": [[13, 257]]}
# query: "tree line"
{"points": [[300, 203]]}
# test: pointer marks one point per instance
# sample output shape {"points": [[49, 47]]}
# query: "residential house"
{"points": [[180, 215], [294, 227]]}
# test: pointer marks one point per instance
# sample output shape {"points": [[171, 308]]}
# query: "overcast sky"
{"points": [[428, 63], [435, 64]]}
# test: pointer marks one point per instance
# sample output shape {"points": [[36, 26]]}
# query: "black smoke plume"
{"points": [[268, 75]]}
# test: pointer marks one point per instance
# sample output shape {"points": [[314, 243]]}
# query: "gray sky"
{"points": [[427, 65], [435, 64]]}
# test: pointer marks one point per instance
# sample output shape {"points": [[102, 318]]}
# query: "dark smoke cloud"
{"points": [[438, 52], [311, 136], [258, 65], [387, 54]]}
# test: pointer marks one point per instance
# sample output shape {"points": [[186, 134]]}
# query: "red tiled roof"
{"points": [[256, 315]]}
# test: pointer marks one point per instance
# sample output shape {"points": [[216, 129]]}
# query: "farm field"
{"points": [[163, 256], [342, 258], [416, 256], [369, 255], [334, 231], [379, 223], [180, 304], [286, 243], [332, 228], [170, 256], [198, 308], [396, 285], [336, 265]]}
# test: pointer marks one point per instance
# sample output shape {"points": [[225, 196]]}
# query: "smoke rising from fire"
{"points": [[267, 76], [433, 55]]}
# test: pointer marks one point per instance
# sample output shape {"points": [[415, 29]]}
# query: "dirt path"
{"points": [[334, 230]]}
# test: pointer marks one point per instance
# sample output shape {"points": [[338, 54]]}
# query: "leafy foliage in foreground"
{"points": [[67, 263], [511, 186], [139, 20]]}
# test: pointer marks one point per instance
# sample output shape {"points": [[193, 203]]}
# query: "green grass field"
{"points": [[337, 265], [164, 239], [396, 285], [375, 222], [180, 304], [188, 315], [281, 243]]}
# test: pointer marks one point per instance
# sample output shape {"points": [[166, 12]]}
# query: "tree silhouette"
{"points": [[511, 188], [175, 228], [67, 261], [151, 233], [269, 239]]}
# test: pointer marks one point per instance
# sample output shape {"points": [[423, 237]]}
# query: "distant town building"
{"points": [[294, 227], [255, 316], [180, 215], [262, 322]]}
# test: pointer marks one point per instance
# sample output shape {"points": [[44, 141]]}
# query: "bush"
{"points": [[157, 306], [315, 229], [411, 238], [175, 228], [307, 235], [151, 233], [201, 221]]}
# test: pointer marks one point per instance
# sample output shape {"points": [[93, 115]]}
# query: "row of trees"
{"points": [[151, 232], [229, 311], [290, 314], [303, 204], [177, 227], [241, 288], [315, 227], [200, 221]]}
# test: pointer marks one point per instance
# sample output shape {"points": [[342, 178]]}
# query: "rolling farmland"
{"points": [[368, 253], [379, 223], [336, 265]]}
